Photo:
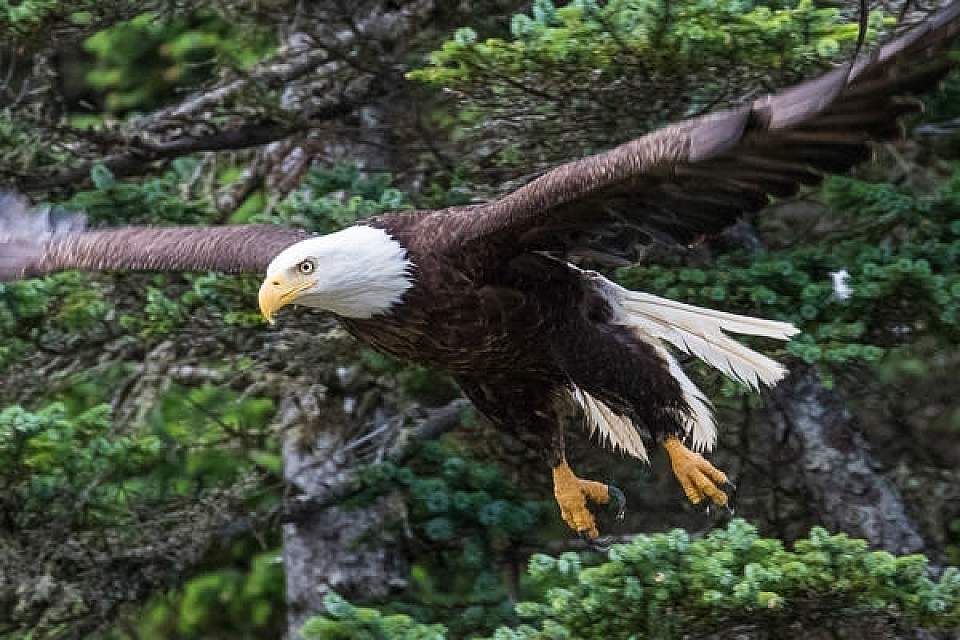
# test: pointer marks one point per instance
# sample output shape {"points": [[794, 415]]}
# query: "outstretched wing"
{"points": [[34, 242], [700, 175]]}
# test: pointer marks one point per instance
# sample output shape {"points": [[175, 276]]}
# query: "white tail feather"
{"points": [[618, 430], [699, 332]]}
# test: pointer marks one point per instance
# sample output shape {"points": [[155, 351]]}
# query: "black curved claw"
{"points": [[600, 543], [731, 490], [617, 501], [723, 514], [702, 508]]}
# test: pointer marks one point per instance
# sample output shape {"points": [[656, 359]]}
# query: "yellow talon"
{"points": [[572, 495], [698, 477]]}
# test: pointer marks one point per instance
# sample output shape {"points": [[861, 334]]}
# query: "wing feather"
{"points": [[35, 242], [728, 162]]}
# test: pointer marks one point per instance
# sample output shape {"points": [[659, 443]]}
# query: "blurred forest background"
{"points": [[172, 468]]}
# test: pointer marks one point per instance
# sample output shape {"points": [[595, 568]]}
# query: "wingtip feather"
{"points": [[24, 231]]}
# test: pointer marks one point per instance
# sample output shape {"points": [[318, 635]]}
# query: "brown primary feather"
{"points": [[43, 240], [23, 232], [228, 249], [769, 147]]}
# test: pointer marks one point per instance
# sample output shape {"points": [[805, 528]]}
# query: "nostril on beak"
{"points": [[275, 283]]}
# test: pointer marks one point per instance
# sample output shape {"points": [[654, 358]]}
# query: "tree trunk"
{"points": [[825, 452], [333, 548], [324, 549]]}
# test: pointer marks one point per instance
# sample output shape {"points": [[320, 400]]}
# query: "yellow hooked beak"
{"points": [[276, 292]]}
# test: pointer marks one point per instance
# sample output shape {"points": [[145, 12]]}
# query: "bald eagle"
{"points": [[485, 292]]}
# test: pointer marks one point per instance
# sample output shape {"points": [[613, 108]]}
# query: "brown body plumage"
{"points": [[491, 298]]}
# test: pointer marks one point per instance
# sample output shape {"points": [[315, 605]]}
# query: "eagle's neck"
{"points": [[361, 271]]}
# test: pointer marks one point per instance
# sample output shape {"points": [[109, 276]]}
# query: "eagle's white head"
{"points": [[356, 273]]}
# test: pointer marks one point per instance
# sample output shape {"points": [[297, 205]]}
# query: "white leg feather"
{"points": [[616, 429], [700, 423]]}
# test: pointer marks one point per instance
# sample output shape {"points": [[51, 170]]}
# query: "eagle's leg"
{"points": [[699, 478], [542, 426], [573, 495]]}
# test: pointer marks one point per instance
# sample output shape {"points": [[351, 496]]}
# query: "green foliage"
{"points": [[468, 498], [347, 622], [244, 599], [468, 512], [667, 584], [337, 197], [596, 64], [329, 199], [57, 310], [28, 18], [22, 146], [589, 37], [78, 467], [156, 200], [49, 462], [663, 583], [139, 63]]}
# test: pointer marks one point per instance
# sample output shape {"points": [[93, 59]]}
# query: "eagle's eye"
{"points": [[306, 267]]}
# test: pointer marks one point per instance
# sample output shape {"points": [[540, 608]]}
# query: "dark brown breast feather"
{"points": [[40, 241], [698, 176]]}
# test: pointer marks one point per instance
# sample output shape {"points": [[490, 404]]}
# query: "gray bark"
{"points": [[324, 549], [354, 552], [833, 461]]}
